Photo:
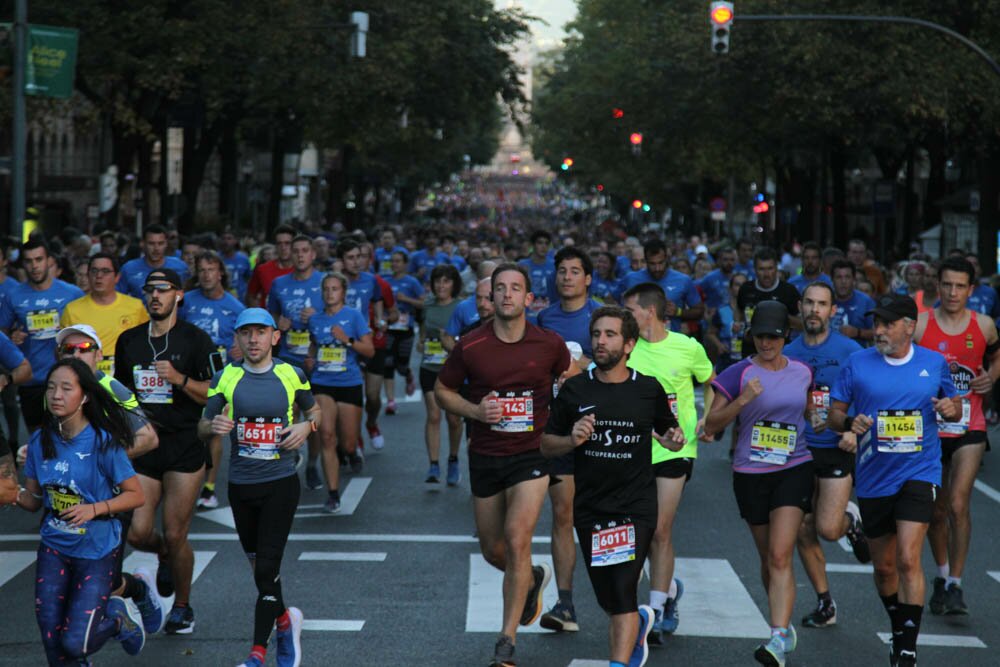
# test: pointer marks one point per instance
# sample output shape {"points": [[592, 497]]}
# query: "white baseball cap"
{"points": [[84, 329]]}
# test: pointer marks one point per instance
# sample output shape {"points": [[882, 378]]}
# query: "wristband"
{"points": [[848, 423], [185, 383]]}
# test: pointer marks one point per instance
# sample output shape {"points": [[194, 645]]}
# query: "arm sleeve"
{"points": [[124, 395], [728, 382], [216, 400], [702, 367], [116, 463], [453, 373], [303, 395]]}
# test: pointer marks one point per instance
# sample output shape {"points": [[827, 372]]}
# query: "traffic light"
{"points": [[720, 15], [636, 140], [617, 113], [637, 204], [567, 163]]}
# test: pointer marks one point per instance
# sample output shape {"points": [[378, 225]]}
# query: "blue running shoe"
{"points": [[641, 651], [454, 474], [289, 641], [671, 617], [656, 634], [180, 621], [151, 604], [433, 474], [130, 632], [772, 653], [791, 640]]}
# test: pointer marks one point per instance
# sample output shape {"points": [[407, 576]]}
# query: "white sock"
{"points": [[672, 593], [657, 600], [944, 570], [952, 581]]}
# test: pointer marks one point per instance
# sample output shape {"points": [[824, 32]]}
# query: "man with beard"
{"points": [[683, 300], [897, 390], [812, 268], [38, 305], [510, 365], [833, 515], [166, 363], [607, 418], [155, 256], [766, 287]]}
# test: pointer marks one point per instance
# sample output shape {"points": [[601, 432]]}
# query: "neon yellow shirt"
{"points": [[673, 361]]}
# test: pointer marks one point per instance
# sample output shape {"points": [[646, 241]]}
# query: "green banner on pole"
{"points": [[51, 61]]}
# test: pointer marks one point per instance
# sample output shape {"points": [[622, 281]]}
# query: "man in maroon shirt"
{"points": [[510, 366], [265, 274]]}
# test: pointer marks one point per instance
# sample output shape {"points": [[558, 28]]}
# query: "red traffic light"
{"points": [[617, 113], [568, 162], [637, 203], [762, 207], [600, 188], [635, 138], [721, 14]]}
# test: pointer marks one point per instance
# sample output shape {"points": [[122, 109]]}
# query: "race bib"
{"points": [[150, 387], [612, 545], [62, 498], [672, 402], [748, 315], [517, 412], [43, 324], [900, 431], [298, 342], [956, 428], [107, 365], [257, 437], [332, 359], [434, 353], [737, 347], [772, 442], [385, 267], [819, 400], [402, 324]]}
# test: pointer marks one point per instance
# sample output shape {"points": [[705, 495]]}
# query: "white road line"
{"points": [[138, 559], [715, 602], [349, 502], [588, 663], [988, 490], [327, 625], [995, 574], [953, 641], [484, 612], [352, 495], [13, 562], [345, 556], [849, 569], [222, 516]]}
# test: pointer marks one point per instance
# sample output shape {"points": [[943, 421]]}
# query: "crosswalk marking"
{"points": [[953, 641], [588, 663], [345, 556], [13, 562], [349, 501], [849, 569], [484, 612], [988, 490], [138, 559], [329, 625], [995, 574]]}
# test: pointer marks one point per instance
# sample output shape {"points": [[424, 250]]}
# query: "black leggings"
{"points": [[263, 515], [615, 585]]}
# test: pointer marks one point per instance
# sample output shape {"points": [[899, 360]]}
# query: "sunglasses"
{"points": [[70, 348], [159, 289]]}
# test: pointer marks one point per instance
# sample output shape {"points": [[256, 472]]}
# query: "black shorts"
{"points": [[615, 586], [832, 462], [757, 494], [950, 445], [562, 465], [32, 406], [913, 502], [675, 469], [376, 364], [184, 454], [489, 475], [354, 395], [427, 380], [398, 346]]}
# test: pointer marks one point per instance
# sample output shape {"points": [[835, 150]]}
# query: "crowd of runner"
{"points": [[567, 356]]}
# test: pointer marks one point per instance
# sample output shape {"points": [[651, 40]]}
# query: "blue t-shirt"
{"points": [[623, 265], [238, 267], [869, 383], [425, 261], [38, 312], [8, 286], [715, 285], [800, 282], [825, 360], [134, 272], [722, 320], [464, 316], [746, 269], [852, 312], [362, 292], [337, 364], [543, 285], [408, 286], [604, 290], [984, 300], [383, 260], [678, 287], [572, 326], [216, 317], [10, 356], [457, 261], [288, 298], [83, 472]]}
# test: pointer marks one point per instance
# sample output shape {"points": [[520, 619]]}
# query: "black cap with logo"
{"points": [[892, 307], [770, 318]]}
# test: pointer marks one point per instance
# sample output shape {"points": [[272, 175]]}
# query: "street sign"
{"points": [[717, 204]]}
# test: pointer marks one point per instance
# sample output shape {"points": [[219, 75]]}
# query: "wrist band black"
{"points": [[848, 422]]}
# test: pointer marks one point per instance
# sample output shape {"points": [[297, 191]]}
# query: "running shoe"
{"points": [[357, 460], [130, 632], [313, 480], [378, 441], [855, 534], [289, 652], [671, 617], [503, 652], [655, 637], [560, 618], [533, 604], [640, 653], [791, 639], [907, 659], [252, 661], [823, 616], [390, 408], [207, 500], [180, 621], [411, 384], [937, 597], [332, 504], [433, 474], [151, 605], [772, 653], [164, 579], [954, 601], [454, 473]]}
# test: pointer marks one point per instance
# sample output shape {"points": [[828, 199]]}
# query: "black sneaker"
{"points": [[164, 579], [180, 621], [533, 603], [503, 653], [936, 603], [954, 603], [907, 659], [855, 535], [357, 462], [823, 616]]}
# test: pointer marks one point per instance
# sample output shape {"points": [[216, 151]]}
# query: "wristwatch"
{"points": [[350, 342]]}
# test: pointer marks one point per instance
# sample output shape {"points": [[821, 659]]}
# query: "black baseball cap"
{"points": [[770, 318], [892, 307], [164, 276]]}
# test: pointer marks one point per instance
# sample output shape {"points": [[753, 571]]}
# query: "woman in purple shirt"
{"points": [[772, 468]]}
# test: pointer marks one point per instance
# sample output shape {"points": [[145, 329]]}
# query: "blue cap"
{"points": [[255, 316]]}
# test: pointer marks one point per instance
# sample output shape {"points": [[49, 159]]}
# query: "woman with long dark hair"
{"points": [[75, 464]]}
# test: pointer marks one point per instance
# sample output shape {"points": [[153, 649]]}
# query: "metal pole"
{"points": [[18, 167]]}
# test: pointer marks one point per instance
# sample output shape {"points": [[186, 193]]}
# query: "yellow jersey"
{"points": [[108, 321]]}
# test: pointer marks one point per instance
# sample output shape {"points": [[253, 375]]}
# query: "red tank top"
{"points": [[964, 352]]}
